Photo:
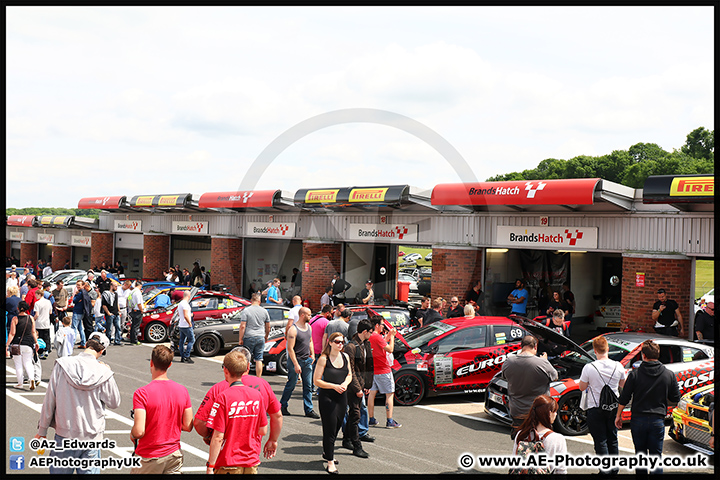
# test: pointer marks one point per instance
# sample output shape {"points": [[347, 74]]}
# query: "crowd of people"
{"points": [[344, 362]]}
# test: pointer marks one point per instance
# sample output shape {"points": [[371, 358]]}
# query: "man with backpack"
{"points": [[599, 382], [651, 386]]}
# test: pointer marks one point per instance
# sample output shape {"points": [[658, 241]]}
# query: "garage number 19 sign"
{"points": [[443, 370]]}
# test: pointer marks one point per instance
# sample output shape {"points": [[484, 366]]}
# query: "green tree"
{"points": [[700, 143], [641, 152]]}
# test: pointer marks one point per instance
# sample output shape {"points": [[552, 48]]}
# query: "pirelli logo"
{"points": [[59, 220], [168, 200], [368, 194], [321, 196], [145, 201], [692, 187]]}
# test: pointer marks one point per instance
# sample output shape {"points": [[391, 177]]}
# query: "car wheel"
{"points": [[156, 332], [571, 419], [409, 388], [282, 363], [207, 345]]}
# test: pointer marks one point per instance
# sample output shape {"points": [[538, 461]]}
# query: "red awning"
{"points": [[103, 203], [20, 220], [576, 191], [252, 199]]}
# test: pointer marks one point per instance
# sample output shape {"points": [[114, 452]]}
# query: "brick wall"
{"points": [[672, 274], [324, 260], [156, 254], [226, 263], [28, 252], [60, 255], [454, 271], [102, 248]]}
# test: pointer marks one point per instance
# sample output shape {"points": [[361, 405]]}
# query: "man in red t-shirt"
{"points": [[271, 402], [383, 380], [162, 410], [238, 420]]}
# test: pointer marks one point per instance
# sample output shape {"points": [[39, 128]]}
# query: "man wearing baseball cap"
{"points": [[80, 388]]}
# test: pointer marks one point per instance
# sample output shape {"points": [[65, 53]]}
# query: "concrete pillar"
{"points": [[455, 270], [320, 261], [226, 267], [671, 272], [60, 255], [102, 249], [156, 255]]}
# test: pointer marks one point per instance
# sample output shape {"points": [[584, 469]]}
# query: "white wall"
{"points": [[585, 270], [359, 263], [284, 254]]}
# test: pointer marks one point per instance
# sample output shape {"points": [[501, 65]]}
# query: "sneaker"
{"points": [[285, 411], [372, 422], [367, 438], [312, 414], [392, 424], [182, 360], [188, 360], [137, 343]]}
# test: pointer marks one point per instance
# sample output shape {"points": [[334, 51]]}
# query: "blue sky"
{"points": [[128, 101]]}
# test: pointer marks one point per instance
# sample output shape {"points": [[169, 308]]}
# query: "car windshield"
{"points": [[397, 318], [420, 337], [615, 352], [151, 293]]}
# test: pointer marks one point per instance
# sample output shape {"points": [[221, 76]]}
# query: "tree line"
{"points": [[34, 211], [629, 167]]}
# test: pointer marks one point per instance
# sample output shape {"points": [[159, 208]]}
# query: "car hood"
{"points": [[544, 333]]}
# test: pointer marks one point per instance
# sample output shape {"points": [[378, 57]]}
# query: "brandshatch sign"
{"points": [[386, 233], [264, 229], [579, 238]]}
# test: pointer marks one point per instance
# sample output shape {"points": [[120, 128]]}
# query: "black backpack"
{"points": [[608, 400]]}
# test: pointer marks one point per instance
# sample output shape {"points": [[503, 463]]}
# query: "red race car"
{"points": [[205, 304], [693, 365]]}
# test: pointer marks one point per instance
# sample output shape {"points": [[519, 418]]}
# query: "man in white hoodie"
{"points": [[79, 384]]}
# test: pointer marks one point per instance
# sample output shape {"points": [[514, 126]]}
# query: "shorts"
{"points": [[255, 345], [171, 463], [237, 470], [384, 383]]}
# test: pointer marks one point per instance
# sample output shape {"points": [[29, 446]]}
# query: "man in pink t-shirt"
{"points": [[271, 402], [162, 410], [382, 342], [239, 423]]}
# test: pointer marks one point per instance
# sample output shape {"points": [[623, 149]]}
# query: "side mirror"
{"points": [[434, 349]]}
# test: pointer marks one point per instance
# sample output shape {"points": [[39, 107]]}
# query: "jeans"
{"points": [[363, 425], [647, 433], [24, 361], [78, 326], [79, 454], [604, 433], [136, 317], [113, 323], [186, 333], [306, 373], [100, 323]]}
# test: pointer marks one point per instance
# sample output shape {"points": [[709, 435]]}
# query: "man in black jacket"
{"points": [[651, 386], [434, 314], [360, 354], [339, 286]]}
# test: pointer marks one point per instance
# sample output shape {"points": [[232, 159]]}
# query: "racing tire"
{"points": [[282, 363], [207, 345], [571, 419], [156, 332], [409, 388]]}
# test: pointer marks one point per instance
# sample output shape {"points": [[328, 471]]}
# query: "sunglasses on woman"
{"points": [[339, 342]]}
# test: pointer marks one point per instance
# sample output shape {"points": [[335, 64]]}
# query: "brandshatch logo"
{"points": [[401, 232], [573, 237], [281, 229], [531, 190]]}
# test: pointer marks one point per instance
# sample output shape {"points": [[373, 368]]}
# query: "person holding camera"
{"points": [[528, 375]]}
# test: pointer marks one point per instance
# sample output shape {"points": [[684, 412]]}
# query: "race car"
{"points": [[275, 355], [452, 356], [205, 304], [690, 419], [215, 334], [692, 363]]}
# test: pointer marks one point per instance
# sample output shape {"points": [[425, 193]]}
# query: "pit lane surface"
{"points": [[433, 436]]}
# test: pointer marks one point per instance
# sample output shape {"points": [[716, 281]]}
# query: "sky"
{"points": [[105, 101]]}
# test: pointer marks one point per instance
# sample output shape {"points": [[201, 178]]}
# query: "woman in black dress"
{"points": [[332, 377]]}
